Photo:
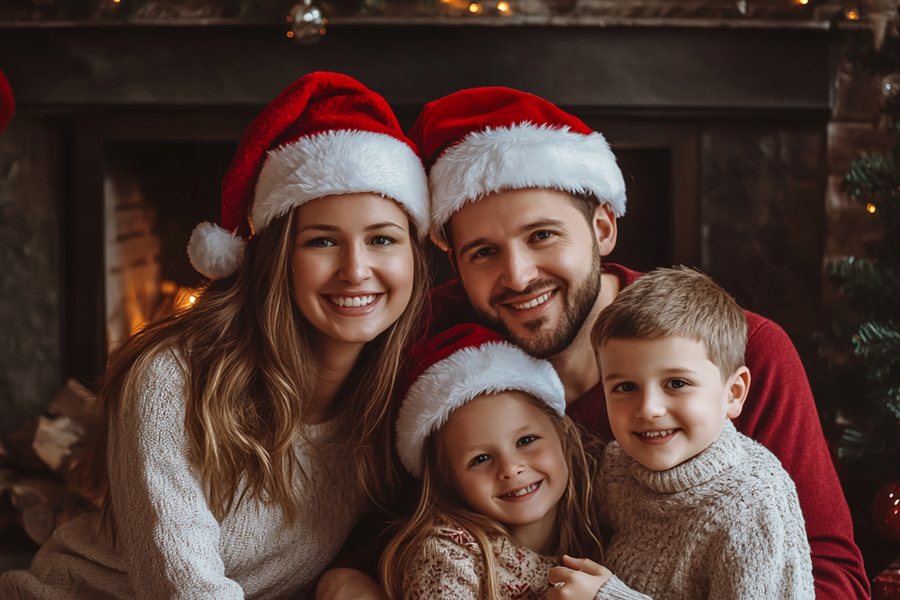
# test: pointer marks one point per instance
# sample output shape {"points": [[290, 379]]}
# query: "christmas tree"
{"points": [[862, 395]]}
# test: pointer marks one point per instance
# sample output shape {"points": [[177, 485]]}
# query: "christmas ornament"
{"points": [[886, 510], [307, 22]]}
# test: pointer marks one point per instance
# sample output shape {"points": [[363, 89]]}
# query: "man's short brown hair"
{"points": [[677, 302]]}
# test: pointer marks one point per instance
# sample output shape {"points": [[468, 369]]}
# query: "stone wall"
{"points": [[30, 361]]}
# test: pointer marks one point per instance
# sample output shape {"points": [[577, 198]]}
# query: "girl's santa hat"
{"points": [[325, 134], [456, 366], [485, 140]]}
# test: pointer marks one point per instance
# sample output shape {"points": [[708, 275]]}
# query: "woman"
{"points": [[244, 433]]}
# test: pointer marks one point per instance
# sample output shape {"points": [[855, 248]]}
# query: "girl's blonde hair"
{"points": [[249, 370], [577, 516]]}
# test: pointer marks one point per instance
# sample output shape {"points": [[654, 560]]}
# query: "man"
{"points": [[525, 198]]}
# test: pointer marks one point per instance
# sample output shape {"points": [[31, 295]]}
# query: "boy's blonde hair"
{"points": [[677, 302], [578, 510]]}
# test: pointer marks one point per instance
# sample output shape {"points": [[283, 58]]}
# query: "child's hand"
{"points": [[579, 579]]}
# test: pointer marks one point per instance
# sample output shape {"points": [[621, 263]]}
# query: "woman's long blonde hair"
{"points": [[249, 370], [577, 513]]}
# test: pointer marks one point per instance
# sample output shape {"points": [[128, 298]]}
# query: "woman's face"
{"points": [[352, 265]]}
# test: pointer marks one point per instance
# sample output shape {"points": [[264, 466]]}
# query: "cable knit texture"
{"points": [[725, 524], [170, 545]]}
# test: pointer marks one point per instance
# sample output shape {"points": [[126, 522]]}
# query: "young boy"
{"points": [[698, 510]]}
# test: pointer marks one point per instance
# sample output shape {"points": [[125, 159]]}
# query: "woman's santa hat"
{"points": [[455, 367], [325, 134], [485, 140]]}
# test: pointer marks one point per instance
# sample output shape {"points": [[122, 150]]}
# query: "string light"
{"points": [[502, 6], [853, 15], [290, 34], [474, 7], [802, 1], [192, 299], [870, 207]]}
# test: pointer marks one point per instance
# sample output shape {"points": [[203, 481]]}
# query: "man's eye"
{"points": [[479, 459], [526, 440], [625, 387], [542, 235]]}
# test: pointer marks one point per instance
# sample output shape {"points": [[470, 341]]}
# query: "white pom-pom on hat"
{"points": [[214, 251]]}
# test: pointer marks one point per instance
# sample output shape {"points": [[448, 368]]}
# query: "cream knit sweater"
{"points": [[725, 525], [170, 545]]}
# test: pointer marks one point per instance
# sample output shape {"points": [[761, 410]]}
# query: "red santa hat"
{"points": [[455, 367], [7, 103], [484, 140], [325, 134]]}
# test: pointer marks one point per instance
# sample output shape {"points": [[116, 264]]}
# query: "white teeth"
{"points": [[523, 491], [532, 303], [354, 301], [653, 434]]}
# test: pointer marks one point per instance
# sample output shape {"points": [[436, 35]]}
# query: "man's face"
{"points": [[530, 264]]}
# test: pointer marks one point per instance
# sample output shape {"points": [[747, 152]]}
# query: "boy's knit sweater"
{"points": [[724, 524], [169, 544]]}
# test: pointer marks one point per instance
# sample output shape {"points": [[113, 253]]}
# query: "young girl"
{"points": [[507, 485], [243, 433]]}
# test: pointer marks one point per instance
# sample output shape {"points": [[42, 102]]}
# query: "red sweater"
{"points": [[779, 412]]}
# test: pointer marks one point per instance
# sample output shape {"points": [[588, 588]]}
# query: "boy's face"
{"points": [[666, 400], [508, 460]]}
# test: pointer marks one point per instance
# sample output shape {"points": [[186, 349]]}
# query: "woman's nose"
{"points": [[355, 267]]}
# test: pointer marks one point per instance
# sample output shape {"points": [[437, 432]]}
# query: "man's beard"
{"points": [[581, 298]]}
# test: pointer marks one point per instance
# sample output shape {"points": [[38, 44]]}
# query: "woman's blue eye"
{"points": [[526, 440], [382, 240], [625, 387], [320, 243], [478, 460]]}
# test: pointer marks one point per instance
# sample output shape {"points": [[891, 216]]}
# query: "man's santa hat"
{"points": [[455, 367], [325, 134], [485, 140], [7, 103]]}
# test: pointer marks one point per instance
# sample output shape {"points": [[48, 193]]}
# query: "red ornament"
{"points": [[886, 510]]}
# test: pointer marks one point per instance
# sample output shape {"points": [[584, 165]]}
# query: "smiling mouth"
{"points": [[532, 303], [655, 434], [352, 301], [525, 490]]}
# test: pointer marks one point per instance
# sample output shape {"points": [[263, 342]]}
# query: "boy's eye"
{"points": [[678, 383], [478, 460], [625, 387], [526, 440]]}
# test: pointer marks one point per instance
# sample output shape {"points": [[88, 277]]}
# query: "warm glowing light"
{"points": [[870, 207], [502, 6], [322, 31], [192, 299], [802, 1], [117, 1], [853, 15], [290, 19], [290, 34], [474, 7]]}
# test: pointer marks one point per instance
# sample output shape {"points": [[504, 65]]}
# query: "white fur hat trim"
{"points": [[214, 251], [340, 162], [465, 374], [518, 157]]}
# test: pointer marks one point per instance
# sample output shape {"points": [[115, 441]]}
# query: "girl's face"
{"points": [[508, 459], [352, 265]]}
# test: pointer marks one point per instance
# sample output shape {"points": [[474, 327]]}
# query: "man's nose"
{"points": [[519, 270]]}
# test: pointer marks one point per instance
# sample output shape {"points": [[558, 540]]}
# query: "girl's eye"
{"points": [[382, 240], [482, 253], [625, 387], [478, 460], [678, 384], [526, 440]]}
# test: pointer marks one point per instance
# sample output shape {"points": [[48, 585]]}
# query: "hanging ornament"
{"points": [[886, 510], [307, 22]]}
